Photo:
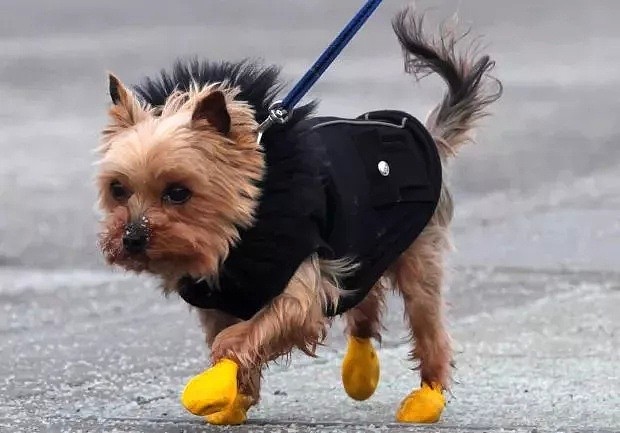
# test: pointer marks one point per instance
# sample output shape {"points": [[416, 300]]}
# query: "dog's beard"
{"points": [[205, 140], [174, 249]]}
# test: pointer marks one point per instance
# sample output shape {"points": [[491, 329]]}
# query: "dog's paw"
{"points": [[360, 369], [212, 391], [234, 414], [423, 405]]}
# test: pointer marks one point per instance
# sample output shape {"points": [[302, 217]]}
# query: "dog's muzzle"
{"points": [[136, 237]]}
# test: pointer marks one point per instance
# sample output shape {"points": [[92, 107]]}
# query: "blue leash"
{"points": [[280, 110]]}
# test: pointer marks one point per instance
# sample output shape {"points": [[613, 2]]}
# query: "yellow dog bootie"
{"points": [[234, 414], [214, 390], [360, 369], [423, 405]]}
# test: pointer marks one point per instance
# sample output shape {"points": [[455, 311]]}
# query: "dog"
{"points": [[270, 237]]}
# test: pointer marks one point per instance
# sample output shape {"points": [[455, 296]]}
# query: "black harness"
{"points": [[362, 189]]}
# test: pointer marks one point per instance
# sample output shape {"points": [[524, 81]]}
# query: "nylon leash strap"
{"points": [[279, 111]]}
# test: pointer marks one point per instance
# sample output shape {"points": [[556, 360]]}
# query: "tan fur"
{"points": [[213, 322], [294, 319], [418, 275], [146, 149], [364, 320]]}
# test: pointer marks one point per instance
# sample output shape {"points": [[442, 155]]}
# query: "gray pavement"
{"points": [[534, 294]]}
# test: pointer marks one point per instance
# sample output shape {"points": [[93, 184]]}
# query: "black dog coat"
{"points": [[361, 189]]}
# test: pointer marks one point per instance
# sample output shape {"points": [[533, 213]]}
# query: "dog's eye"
{"points": [[176, 194], [118, 191]]}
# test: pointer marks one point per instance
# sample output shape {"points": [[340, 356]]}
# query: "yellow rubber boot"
{"points": [[213, 390], [360, 369], [423, 405], [234, 414]]}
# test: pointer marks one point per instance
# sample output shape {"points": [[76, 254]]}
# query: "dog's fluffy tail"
{"points": [[470, 88]]}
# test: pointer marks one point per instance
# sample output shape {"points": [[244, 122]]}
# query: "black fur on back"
{"points": [[259, 84]]}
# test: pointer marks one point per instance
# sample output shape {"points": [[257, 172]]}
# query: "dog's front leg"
{"points": [[293, 319], [248, 381]]}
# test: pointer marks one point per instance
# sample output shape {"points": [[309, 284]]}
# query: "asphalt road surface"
{"points": [[534, 295]]}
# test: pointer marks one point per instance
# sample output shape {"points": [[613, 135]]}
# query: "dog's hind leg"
{"points": [[419, 275], [248, 380], [360, 366]]}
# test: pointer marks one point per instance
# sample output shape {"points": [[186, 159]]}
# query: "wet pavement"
{"points": [[534, 293]]}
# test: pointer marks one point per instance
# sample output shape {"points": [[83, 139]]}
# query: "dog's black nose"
{"points": [[135, 238]]}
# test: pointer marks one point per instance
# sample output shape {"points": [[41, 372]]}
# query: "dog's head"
{"points": [[176, 183]]}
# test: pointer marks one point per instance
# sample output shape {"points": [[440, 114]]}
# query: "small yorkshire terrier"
{"points": [[271, 236]]}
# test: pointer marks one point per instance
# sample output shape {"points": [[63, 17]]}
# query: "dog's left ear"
{"points": [[212, 109]]}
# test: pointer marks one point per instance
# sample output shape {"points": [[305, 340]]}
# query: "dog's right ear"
{"points": [[125, 110], [116, 88]]}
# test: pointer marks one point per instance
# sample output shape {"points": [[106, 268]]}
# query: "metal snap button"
{"points": [[384, 168]]}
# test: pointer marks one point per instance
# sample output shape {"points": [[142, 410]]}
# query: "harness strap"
{"points": [[280, 110]]}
